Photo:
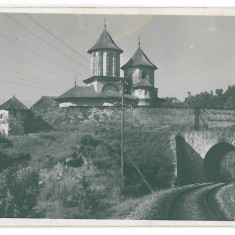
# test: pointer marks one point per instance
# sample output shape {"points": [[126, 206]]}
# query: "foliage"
{"points": [[80, 171], [81, 188], [206, 99], [18, 192], [8, 157]]}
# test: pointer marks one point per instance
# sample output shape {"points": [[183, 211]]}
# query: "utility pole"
{"points": [[122, 129], [189, 97]]}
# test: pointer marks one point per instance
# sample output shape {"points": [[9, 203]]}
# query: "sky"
{"points": [[192, 53]]}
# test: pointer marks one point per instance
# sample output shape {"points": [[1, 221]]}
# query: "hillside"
{"points": [[79, 170], [74, 170]]}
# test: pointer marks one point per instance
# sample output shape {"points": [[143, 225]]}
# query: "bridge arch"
{"points": [[213, 159]]}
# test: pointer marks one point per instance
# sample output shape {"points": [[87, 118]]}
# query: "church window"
{"points": [[143, 75], [104, 63], [97, 64], [114, 66], [110, 87]]}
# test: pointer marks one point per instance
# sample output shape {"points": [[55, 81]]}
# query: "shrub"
{"points": [[18, 193], [71, 189]]}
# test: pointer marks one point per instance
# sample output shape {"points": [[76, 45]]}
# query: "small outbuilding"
{"points": [[17, 119]]}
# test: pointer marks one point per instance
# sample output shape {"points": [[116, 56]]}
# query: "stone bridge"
{"points": [[199, 153]]}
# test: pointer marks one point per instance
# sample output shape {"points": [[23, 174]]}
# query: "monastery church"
{"points": [[105, 86]]}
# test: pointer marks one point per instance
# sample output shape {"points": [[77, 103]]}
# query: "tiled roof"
{"points": [[105, 42], [13, 104], [139, 59], [89, 92], [142, 83], [79, 91], [44, 102], [104, 78]]}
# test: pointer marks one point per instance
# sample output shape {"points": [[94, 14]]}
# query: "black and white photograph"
{"points": [[117, 117]]}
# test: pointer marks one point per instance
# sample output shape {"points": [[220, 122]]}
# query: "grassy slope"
{"points": [[49, 149]]}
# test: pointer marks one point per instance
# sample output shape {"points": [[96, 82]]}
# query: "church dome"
{"points": [[105, 42], [139, 59]]}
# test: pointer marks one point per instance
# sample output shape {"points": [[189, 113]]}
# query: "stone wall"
{"points": [[190, 168], [172, 119]]}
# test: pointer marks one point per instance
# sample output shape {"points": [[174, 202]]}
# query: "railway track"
{"points": [[195, 203]]}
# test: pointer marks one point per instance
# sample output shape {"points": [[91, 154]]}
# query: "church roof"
{"points": [[142, 83], [105, 42], [13, 104], [139, 59], [109, 94], [78, 92], [89, 92]]}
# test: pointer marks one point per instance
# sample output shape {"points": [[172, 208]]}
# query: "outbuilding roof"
{"points": [[13, 104], [105, 42], [139, 59], [44, 102]]}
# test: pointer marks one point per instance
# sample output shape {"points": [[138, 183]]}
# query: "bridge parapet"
{"points": [[202, 141]]}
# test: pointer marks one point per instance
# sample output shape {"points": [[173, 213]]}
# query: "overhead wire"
{"points": [[36, 66], [41, 39], [56, 37], [36, 53], [25, 75], [7, 75], [7, 81]]}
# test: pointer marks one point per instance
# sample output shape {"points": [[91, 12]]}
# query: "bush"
{"points": [[75, 192], [18, 193]]}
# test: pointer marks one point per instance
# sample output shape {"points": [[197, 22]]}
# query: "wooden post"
{"points": [[122, 130], [189, 97]]}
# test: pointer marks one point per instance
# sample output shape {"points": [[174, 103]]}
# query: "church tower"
{"points": [[139, 71], [105, 64]]}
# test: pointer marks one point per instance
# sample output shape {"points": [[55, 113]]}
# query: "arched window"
{"points": [[97, 64], [104, 63], [114, 66], [110, 87]]}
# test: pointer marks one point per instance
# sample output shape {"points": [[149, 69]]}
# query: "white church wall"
{"points": [[4, 126]]}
